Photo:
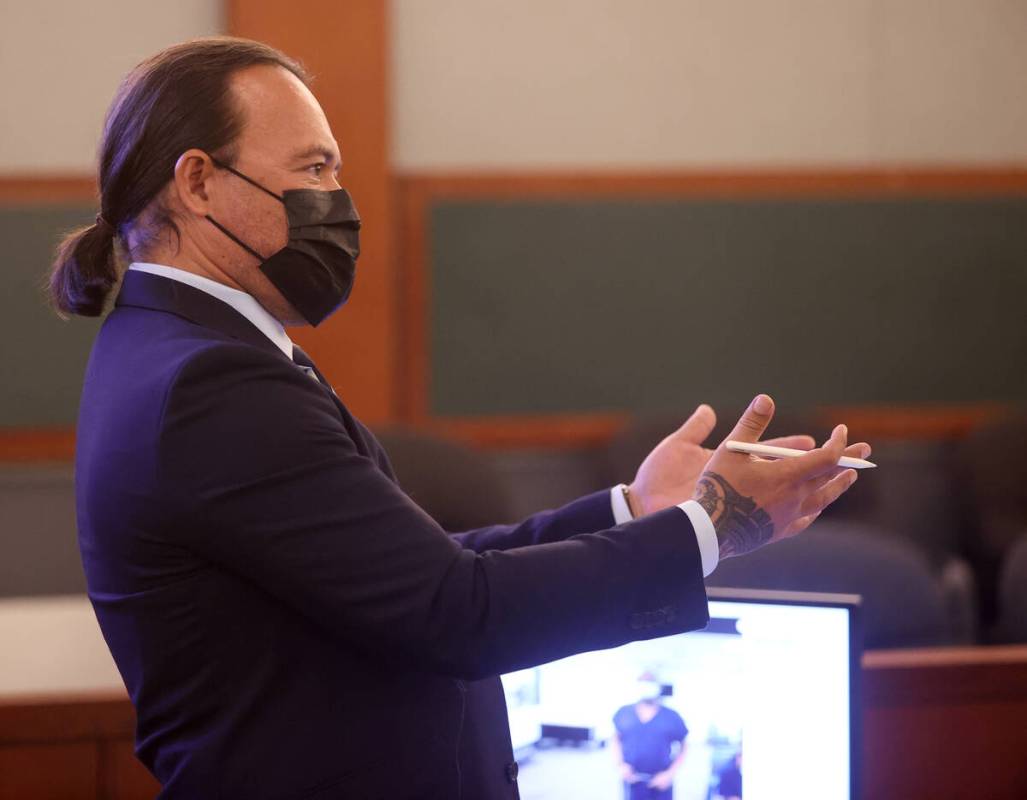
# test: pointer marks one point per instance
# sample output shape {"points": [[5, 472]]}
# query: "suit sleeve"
{"points": [[586, 515], [263, 479]]}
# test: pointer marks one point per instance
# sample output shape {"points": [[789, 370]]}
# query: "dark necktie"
{"points": [[303, 361]]}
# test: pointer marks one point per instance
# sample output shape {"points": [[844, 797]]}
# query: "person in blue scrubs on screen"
{"points": [[649, 743]]}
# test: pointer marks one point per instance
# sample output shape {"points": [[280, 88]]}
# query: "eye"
{"points": [[316, 169]]}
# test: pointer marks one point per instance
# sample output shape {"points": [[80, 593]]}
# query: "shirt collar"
{"points": [[244, 303]]}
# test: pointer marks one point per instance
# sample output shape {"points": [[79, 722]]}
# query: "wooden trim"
{"points": [[412, 247], [19, 445], [62, 717], [578, 431], [416, 192], [556, 431], [946, 657], [571, 431], [899, 181], [914, 422], [344, 45], [22, 190]]}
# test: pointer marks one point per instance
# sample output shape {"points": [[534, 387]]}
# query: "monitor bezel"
{"points": [[853, 603]]}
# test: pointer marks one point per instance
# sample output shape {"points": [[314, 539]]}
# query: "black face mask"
{"points": [[315, 270]]}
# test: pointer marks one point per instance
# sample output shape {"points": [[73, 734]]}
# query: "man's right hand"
{"points": [[755, 501]]}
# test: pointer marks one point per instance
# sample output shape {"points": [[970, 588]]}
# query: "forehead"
{"points": [[280, 114]]}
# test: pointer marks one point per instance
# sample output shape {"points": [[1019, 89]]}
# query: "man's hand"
{"points": [[627, 774], [669, 474], [662, 780], [754, 501]]}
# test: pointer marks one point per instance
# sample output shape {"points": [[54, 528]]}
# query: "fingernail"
{"points": [[762, 404], [842, 430]]}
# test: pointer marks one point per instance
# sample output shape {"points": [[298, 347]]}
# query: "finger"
{"points": [[799, 525], [754, 421], [817, 482], [823, 459], [698, 427], [802, 442], [828, 493], [859, 450]]}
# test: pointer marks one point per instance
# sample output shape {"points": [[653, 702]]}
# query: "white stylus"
{"points": [[787, 452]]}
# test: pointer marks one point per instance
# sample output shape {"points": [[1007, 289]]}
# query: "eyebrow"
{"points": [[317, 150]]}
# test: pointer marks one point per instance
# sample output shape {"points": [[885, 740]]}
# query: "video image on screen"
{"points": [[756, 705]]}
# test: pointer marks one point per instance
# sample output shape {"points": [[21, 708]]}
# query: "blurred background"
{"points": [[583, 218]]}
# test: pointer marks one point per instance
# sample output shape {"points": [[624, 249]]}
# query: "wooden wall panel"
{"points": [[345, 46], [49, 771], [122, 776]]}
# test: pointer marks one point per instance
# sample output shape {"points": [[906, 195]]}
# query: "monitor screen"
{"points": [[762, 703]]}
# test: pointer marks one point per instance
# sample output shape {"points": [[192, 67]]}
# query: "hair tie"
{"points": [[103, 223]]}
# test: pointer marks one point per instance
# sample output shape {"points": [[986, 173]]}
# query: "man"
{"points": [[649, 743], [288, 623]]}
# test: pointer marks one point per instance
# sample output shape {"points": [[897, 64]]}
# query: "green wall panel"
{"points": [[542, 306], [43, 357]]}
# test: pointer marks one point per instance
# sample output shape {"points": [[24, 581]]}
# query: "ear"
{"points": [[194, 173]]}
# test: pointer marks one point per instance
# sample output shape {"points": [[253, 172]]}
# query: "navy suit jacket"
{"points": [[288, 623]]}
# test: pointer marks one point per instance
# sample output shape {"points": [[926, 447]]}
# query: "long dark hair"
{"points": [[173, 101]]}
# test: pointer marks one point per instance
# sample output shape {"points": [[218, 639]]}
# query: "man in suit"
{"points": [[288, 623]]}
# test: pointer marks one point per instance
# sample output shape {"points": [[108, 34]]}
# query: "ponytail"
{"points": [[84, 270]]}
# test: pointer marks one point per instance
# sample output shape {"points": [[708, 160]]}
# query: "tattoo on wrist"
{"points": [[741, 525]]}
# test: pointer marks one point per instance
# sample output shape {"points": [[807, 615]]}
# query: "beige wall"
{"points": [[61, 61], [484, 84], [53, 644], [480, 84]]}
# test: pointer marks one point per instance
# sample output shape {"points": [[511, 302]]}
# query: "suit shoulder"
{"points": [[233, 372]]}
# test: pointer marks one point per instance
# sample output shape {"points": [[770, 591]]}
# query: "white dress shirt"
{"points": [[245, 304]]}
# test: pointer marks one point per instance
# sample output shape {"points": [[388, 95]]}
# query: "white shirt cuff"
{"points": [[619, 504], [705, 534]]}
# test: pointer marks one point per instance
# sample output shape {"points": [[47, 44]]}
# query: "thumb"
{"points": [[697, 427], [754, 421]]}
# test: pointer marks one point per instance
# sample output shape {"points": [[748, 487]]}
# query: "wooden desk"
{"points": [[945, 723], [70, 747], [937, 724]]}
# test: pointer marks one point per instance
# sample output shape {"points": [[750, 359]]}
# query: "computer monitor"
{"points": [[763, 703]]}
